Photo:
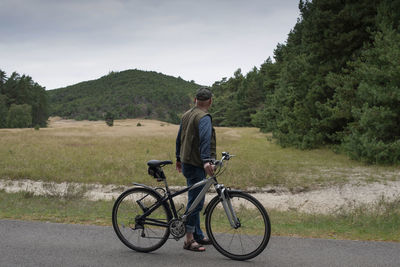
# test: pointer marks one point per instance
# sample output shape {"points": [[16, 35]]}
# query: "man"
{"points": [[195, 147]]}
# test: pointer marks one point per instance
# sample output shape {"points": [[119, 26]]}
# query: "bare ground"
{"points": [[321, 201]]}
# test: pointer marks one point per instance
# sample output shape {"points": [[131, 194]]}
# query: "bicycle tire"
{"points": [[233, 243], [141, 238]]}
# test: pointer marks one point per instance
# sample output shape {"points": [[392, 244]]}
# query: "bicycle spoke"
{"points": [[241, 243], [151, 230], [230, 244], [252, 240]]}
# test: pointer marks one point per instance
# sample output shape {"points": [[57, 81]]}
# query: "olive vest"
{"points": [[190, 140]]}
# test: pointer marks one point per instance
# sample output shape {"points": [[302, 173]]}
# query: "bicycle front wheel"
{"points": [[146, 234], [250, 238]]}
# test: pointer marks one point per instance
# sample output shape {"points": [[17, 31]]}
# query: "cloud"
{"points": [[63, 42]]}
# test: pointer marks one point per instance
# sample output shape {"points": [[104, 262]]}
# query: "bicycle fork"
{"points": [[226, 203]]}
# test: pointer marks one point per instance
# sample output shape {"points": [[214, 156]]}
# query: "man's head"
{"points": [[203, 98], [203, 94]]}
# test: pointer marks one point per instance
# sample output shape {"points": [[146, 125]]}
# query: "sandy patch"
{"points": [[323, 201], [333, 199], [121, 128], [232, 133]]}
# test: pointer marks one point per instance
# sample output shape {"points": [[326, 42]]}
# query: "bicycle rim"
{"points": [[248, 240], [139, 236]]}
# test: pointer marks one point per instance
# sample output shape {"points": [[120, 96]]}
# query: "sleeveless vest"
{"points": [[190, 140]]}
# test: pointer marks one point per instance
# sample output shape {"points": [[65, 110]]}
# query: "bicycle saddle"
{"points": [[158, 163]]}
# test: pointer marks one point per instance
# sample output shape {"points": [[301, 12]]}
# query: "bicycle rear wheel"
{"points": [[140, 235], [250, 238]]}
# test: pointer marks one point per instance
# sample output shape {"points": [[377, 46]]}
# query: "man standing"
{"points": [[195, 147]]}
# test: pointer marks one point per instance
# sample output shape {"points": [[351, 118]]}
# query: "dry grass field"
{"points": [[92, 152]]}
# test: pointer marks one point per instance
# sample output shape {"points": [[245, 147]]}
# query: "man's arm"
{"points": [[205, 133], [178, 150]]}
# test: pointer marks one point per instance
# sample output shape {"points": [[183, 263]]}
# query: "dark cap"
{"points": [[203, 94]]}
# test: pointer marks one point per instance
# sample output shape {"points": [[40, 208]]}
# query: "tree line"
{"points": [[23, 102], [335, 82]]}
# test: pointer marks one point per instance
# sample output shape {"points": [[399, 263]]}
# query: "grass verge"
{"points": [[380, 222], [26, 206]]}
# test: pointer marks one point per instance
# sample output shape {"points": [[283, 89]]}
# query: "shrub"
{"points": [[109, 119]]}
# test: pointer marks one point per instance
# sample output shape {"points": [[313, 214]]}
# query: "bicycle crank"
{"points": [[177, 228]]}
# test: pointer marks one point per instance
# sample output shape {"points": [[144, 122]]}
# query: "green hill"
{"points": [[126, 94]]}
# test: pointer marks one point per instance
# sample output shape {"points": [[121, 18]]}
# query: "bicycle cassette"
{"points": [[177, 228]]}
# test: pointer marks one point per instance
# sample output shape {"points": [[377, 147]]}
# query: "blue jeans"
{"points": [[193, 175]]}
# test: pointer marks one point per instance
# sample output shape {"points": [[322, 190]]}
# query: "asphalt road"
{"points": [[48, 244]]}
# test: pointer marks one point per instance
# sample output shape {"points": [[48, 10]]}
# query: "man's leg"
{"points": [[193, 175], [198, 233]]}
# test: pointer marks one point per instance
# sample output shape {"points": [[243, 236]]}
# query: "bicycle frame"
{"points": [[168, 198]]}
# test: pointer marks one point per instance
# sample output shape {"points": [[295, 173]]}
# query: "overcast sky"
{"points": [[63, 42]]}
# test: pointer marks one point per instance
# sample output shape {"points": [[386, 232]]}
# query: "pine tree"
{"points": [[3, 111], [374, 136]]}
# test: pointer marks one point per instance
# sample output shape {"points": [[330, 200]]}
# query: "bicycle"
{"points": [[144, 217]]}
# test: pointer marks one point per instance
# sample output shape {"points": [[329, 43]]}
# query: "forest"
{"points": [[335, 82], [23, 102], [125, 94]]}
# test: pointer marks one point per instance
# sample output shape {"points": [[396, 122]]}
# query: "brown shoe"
{"points": [[204, 241], [193, 247]]}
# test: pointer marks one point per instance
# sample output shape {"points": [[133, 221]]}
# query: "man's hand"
{"points": [[179, 166], [209, 168]]}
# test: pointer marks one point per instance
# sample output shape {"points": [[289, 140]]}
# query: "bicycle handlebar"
{"points": [[219, 163]]}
